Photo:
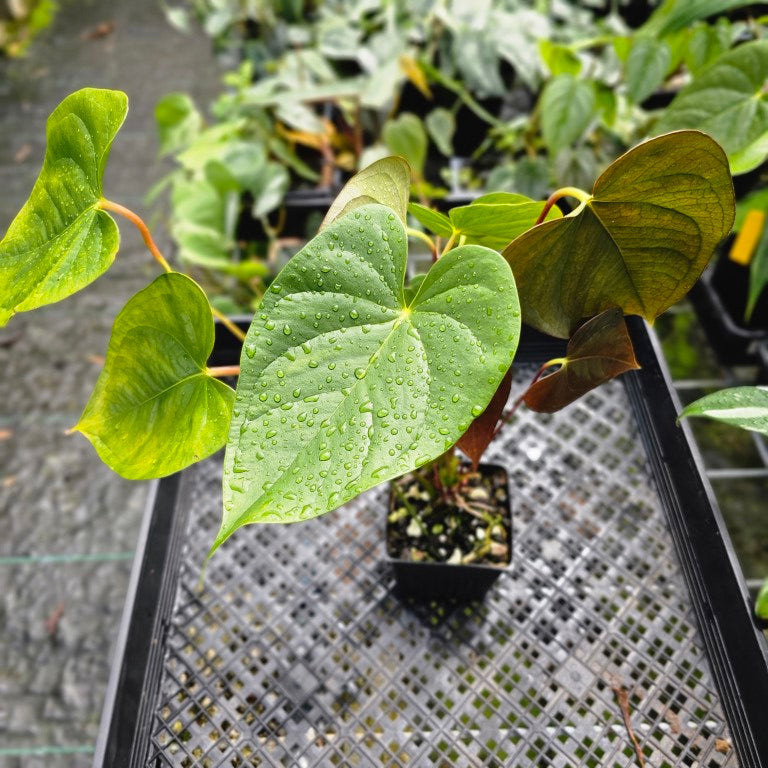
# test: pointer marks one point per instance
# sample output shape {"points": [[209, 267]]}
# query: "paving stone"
{"points": [[56, 498], [59, 621]]}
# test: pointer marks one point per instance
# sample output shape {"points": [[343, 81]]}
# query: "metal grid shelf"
{"points": [[297, 653]]}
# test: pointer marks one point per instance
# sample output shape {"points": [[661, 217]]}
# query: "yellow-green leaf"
{"points": [[495, 220], [387, 181], [60, 241], [155, 409]]}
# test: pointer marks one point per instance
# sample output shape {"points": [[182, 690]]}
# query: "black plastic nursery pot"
{"points": [[426, 581], [297, 651], [719, 298]]}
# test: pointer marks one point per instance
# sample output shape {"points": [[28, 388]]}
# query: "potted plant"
{"points": [[349, 376]]}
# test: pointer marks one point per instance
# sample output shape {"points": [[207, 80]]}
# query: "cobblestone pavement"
{"points": [[69, 525]]}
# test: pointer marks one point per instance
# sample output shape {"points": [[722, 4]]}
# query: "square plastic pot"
{"points": [[426, 581]]}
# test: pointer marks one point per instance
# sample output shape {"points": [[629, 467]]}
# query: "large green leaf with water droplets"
{"points": [[745, 407], [60, 241], [729, 101], [639, 243], [155, 409], [343, 386]]}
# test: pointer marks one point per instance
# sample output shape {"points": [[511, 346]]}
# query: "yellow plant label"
{"points": [[749, 236]]}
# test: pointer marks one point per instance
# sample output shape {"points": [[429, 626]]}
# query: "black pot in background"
{"points": [[762, 363], [431, 581], [720, 297]]}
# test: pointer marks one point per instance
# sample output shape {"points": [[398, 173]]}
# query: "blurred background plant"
{"points": [[20, 21], [487, 95]]}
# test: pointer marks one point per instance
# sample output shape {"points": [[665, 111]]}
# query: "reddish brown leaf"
{"points": [[480, 433], [598, 351]]}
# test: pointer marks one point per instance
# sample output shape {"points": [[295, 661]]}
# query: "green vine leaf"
{"points": [[728, 100], [178, 122], [441, 125], [387, 181], [155, 409], [639, 243], [566, 106], [344, 386], [60, 241], [492, 220], [646, 67], [758, 273], [405, 136], [674, 15], [745, 407], [600, 350], [434, 221], [496, 219]]}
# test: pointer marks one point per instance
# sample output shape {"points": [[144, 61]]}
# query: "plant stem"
{"points": [[419, 235], [108, 205], [401, 498], [219, 372], [449, 244], [228, 324], [510, 412], [579, 194]]}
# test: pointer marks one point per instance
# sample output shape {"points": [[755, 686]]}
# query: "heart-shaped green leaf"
{"points": [[441, 125], [559, 59], [387, 181], [646, 66], [600, 350], [433, 220], [178, 122], [495, 220], [567, 105], [728, 100], [639, 243], [154, 409], [60, 241], [343, 386], [745, 407], [405, 136]]}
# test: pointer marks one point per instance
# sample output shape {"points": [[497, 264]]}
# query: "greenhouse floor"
{"points": [[70, 525]]}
